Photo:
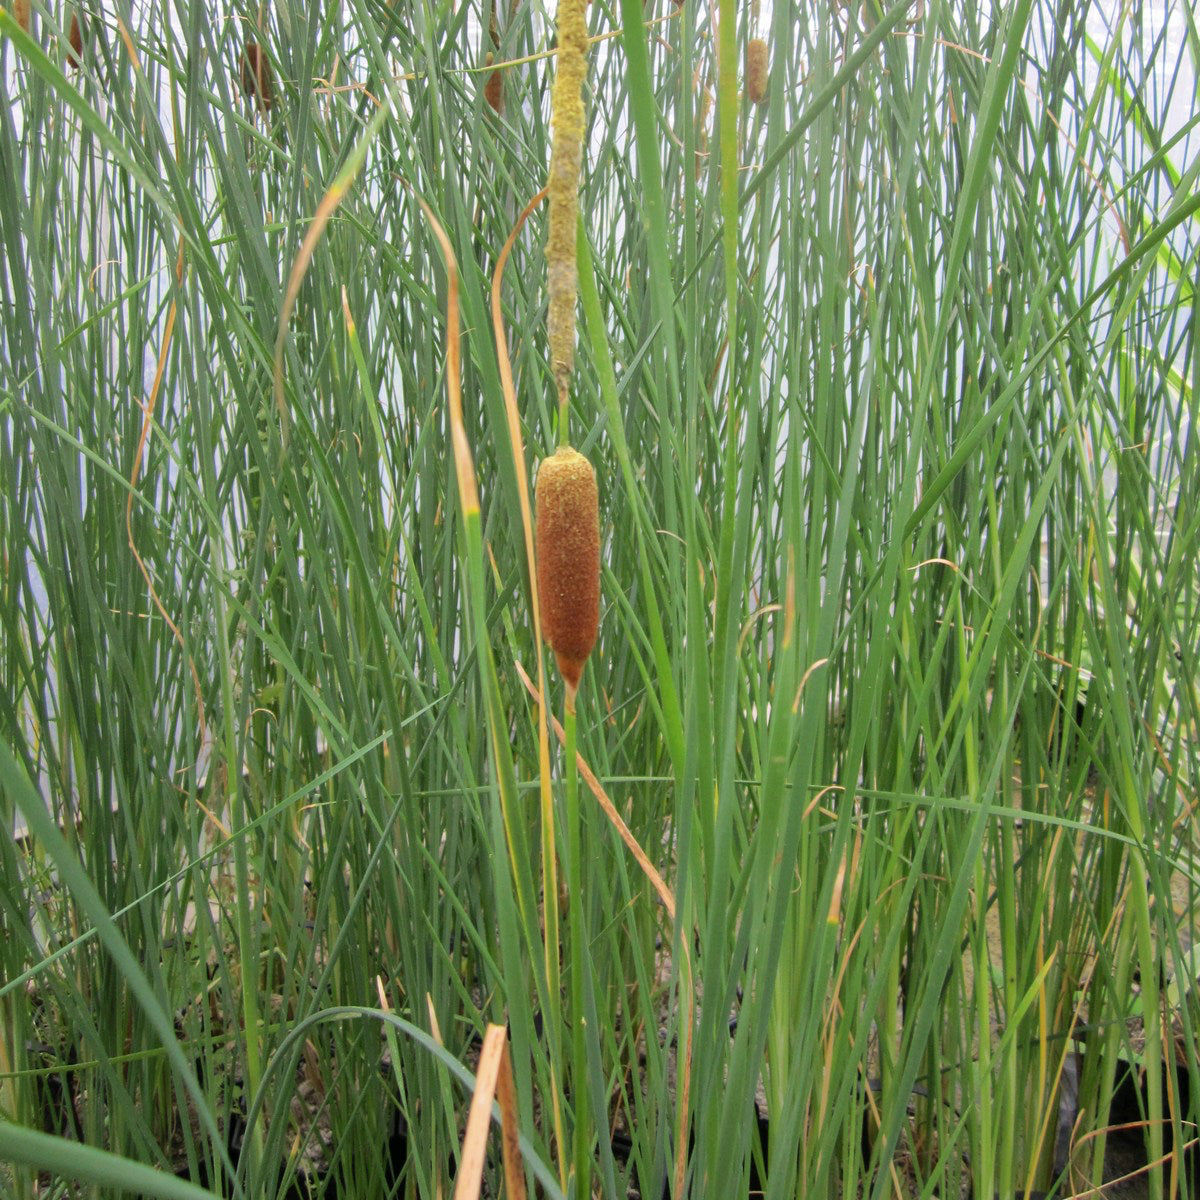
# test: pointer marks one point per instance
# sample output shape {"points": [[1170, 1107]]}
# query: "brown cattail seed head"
{"points": [[75, 40], [493, 91], [20, 12], [568, 560], [257, 80], [756, 71]]}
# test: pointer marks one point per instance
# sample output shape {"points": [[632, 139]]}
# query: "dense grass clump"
{"points": [[864, 860]]}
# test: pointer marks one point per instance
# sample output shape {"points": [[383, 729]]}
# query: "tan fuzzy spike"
{"points": [[756, 71], [568, 560], [566, 158], [20, 12]]}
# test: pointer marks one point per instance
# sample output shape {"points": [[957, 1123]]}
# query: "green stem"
{"points": [[246, 937], [575, 902], [564, 420], [1014, 1097], [889, 1017], [247, 944]]}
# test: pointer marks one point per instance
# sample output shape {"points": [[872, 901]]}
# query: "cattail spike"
{"points": [[568, 560], [566, 156], [75, 42], [493, 91], [257, 79], [756, 71], [20, 11]]}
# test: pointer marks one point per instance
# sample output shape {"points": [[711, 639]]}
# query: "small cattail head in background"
{"points": [[75, 42], [20, 12], [257, 80], [568, 560], [493, 91], [756, 71]]}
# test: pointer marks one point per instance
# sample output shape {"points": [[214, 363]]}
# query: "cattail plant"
{"points": [[20, 11], [257, 79], [568, 559], [756, 71], [568, 537]]}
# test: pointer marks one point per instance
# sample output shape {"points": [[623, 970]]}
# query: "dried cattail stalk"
{"points": [[75, 41], [493, 91], [20, 11], [756, 71], [563, 186], [257, 80], [568, 560]]}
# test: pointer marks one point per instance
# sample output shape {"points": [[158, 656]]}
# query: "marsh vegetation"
{"points": [[882, 833]]}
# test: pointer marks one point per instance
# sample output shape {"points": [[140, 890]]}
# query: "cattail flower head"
{"points": [[568, 560], [493, 91], [20, 12], [566, 157], [257, 79], [756, 71], [75, 41]]}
